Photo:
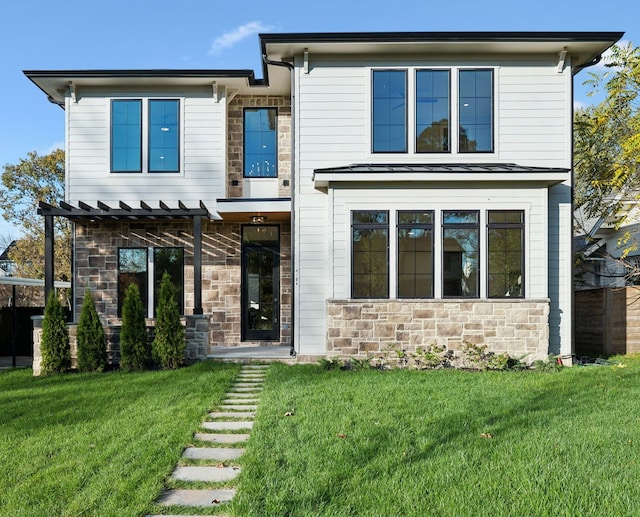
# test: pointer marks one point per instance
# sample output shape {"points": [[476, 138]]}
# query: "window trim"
{"points": [[449, 107], [492, 110], [144, 135], [112, 170], [145, 295], [179, 129], [479, 258], [430, 226], [522, 227], [369, 226], [406, 110]]}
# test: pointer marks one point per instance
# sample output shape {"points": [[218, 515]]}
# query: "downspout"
{"points": [[289, 66]]}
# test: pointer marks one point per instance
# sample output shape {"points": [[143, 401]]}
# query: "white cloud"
{"points": [[578, 105], [54, 146], [229, 39]]}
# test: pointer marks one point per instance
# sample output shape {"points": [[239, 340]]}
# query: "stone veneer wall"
{"points": [[365, 327], [235, 136], [96, 263]]}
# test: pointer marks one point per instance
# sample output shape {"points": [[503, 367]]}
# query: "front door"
{"points": [[260, 283]]}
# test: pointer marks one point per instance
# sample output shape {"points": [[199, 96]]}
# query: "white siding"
{"points": [[202, 160]]}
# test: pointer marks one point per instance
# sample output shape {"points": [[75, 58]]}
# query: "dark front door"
{"points": [[260, 283]]}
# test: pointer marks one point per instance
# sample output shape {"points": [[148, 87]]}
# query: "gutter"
{"points": [[290, 67]]}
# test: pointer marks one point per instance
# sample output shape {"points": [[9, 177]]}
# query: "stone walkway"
{"points": [[221, 441]]}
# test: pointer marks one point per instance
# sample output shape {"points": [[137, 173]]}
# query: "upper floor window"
{"points": [[432, 111], [260, 143], [389, 111], [370, 255], [506, 253], [475, 111], [158, 147]]}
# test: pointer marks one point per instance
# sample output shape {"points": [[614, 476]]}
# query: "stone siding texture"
{"points": [[366, 327]]}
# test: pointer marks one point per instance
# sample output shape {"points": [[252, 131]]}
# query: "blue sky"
{"points": [[115, 34]]}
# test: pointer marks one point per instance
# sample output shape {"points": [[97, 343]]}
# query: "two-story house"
{"points": [[373, 189]]}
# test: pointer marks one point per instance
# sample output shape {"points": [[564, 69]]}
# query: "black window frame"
{"points": [[406, 111], [492, 111], [369, 226], [430, 226], [461, 226], [144, 294], [178, 130], [157, 278], [112, 169], [244, 139], [449, 124], [505, 225]]}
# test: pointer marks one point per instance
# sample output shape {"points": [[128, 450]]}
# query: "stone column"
{"points": [[196, 337]]}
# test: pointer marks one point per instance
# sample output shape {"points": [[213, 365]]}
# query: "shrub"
{"points": [[54, 345], [92, 349], [168, 344], [134, 349]]}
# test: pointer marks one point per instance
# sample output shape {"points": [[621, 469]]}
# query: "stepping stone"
{"points": [[205, 473], [235, 407], [244, 399], [242, 395], [227, 426], [212, 453], [244, 389], [232, 414], [249, 380], [203, 498], [221, 438]]}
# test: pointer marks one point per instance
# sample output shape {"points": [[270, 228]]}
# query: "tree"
{"points": [[607, 144], [54, 345], [34, 179], [92, 350], [168, 344], [134, 350]]}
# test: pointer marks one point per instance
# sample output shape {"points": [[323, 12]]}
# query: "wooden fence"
{"points": [[607, 321]]}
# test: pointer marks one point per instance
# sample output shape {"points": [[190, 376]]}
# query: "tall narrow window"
{"points": [[164, 138], [475, 106], [126, 139], [432, 111], [506, 253], [460, 251], [260, 143], [370, 256], [169, 260], [389, 111], [415, 254], [132, 269]]}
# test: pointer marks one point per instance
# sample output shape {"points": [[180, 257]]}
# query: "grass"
{"points": [[398, 443], [445, 443], [98, 444]]}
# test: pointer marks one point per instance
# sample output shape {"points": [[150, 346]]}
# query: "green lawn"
{"points": [[357, 443], [445, 443], [98, 444]]}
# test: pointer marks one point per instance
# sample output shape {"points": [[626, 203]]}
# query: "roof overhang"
{"points": [[254, 210], [582, 47], [438, 173]]}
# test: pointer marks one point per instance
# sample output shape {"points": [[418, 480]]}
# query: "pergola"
{"points": [[86, 212]]}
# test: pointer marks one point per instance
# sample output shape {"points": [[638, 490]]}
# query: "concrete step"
{"points": [[212, 453], [238, 407], [232, 414], [227, 426], [221, 437], [201, 498], [217, 474], [250, 380], [243, 389], [245, 398], [255, 367]]}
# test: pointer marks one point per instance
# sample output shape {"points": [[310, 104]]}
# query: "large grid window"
{"points": [[432, 111], [475, 111], [126, 139], [460, 252], [389, 111], [415, 254], [370, 255], [134, 268], [260, 143], [149, 143], [505, 242], [164, 130]]}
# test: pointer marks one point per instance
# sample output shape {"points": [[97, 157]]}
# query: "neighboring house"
{"points": [[608, 247], [373, 190], [7, 266]]}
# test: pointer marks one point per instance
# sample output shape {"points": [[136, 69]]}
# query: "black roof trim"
{"points": [[438, 167], [469, 36], [124, 211], [252, 199], [142, 73]]}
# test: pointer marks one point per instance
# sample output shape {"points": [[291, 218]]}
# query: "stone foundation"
{"points": [[365, 327]]}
